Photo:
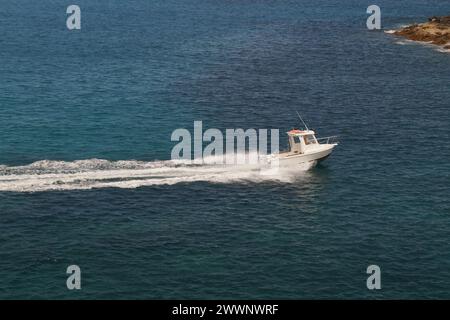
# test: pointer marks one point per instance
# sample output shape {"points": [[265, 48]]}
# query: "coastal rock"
{"points": [[435, 31]]}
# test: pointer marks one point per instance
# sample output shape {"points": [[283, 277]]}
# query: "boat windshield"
{"points": [[310, 139]]}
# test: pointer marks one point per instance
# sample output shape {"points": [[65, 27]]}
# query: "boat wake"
{"points": [[49, 175]]}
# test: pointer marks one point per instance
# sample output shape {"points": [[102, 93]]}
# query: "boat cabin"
{"points": [[301, 140]]}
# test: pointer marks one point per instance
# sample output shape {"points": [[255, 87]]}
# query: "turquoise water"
{"points": [[136, 71]]}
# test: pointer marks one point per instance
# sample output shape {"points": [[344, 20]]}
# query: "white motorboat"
{"points": [[305, 147]]}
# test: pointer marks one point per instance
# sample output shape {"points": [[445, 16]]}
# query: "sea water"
{"points": [[86, 178]]}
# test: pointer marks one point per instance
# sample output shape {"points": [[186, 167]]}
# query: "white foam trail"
{"points": [[423, 43], [443, 50], [397, 28], [406, 42], [49, 175]]}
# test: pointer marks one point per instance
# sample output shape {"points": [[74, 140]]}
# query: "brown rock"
{"points": [[436, 31]]}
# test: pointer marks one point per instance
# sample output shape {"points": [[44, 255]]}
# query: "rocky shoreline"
{"points": [[435, 31]]}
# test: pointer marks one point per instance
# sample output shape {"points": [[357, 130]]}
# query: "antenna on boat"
{"points": [[302, 120]]}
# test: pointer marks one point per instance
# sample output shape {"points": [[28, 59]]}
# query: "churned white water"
{"points": [[49, 175]]}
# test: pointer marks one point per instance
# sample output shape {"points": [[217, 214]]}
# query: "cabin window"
{"points": [[296, 139], [309, 139]]}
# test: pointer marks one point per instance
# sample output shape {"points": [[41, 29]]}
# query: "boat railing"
{"points": [[328, 140]]}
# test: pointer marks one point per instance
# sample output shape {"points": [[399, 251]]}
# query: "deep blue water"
{"points": [[137, 70]]}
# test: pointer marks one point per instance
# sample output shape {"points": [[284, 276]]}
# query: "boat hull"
{"points": [[319, 155]]}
